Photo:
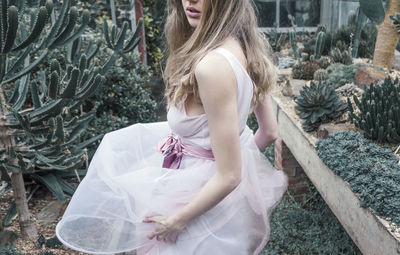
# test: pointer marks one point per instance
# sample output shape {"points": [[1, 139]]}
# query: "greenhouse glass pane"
{"points": [[266, 12], [306, 13]]}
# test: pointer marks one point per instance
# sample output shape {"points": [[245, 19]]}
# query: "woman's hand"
{"points": [[166, 228]]}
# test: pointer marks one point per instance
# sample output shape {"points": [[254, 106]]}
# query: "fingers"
{"points": [[167, 237], [153, 219]]}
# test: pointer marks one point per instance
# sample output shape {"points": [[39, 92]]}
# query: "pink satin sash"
{"points": [[173, 150]]}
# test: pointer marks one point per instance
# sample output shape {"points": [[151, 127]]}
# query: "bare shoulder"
{"points": [[212, 65], [215, 76]]}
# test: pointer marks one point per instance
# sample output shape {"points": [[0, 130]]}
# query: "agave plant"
{"points": [[318, 103]]}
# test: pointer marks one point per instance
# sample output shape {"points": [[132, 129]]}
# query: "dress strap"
{"points": [[235, 63]]}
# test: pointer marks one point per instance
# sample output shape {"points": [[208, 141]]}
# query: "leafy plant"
{"points": [[307, 227], [318, 103], [379, 111]]}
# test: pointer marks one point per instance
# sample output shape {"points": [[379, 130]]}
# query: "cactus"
{"points": [[324, 62], [43, 142], [320, 75], [361, 19], [348, 89], [292, 39], [318, 103], [341, 56], [305, 70], [379, 109], [319, 45]]}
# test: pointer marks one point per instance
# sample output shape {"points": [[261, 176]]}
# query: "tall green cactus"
{"points": [[292, 39], [44, 139], [379, 109], [319, 45], [361, 18]]}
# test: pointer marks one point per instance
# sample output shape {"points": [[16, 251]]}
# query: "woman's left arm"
{"points": [[218, 90]]}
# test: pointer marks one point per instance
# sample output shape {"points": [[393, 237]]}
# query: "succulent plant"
{"points": [[348, 89], [341, 56], [379, 111], [320, 75], [319, 45], [324, 62], [305, 70], [293, 44], [318, 103]]}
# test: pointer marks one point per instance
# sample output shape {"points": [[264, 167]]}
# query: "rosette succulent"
{"points": [[318, 103]]}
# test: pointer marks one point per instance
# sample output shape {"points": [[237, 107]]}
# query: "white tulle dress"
{"points": [[126, 182]]}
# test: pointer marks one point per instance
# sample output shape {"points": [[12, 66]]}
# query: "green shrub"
{"points": [[374, 176], [124, 99], [307, 228]]}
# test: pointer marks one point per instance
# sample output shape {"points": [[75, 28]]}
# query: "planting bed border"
{"points": [[368, 231]]}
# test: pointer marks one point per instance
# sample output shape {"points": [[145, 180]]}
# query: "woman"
{"points": [[211, 189]]}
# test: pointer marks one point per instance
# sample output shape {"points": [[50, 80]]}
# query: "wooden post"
{"points": [[142, 43]]}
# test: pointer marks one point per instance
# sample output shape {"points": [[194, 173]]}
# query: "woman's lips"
{"points": [[192, 12]]}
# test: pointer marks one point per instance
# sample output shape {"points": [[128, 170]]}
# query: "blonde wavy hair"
{"points": [[220, 19]]}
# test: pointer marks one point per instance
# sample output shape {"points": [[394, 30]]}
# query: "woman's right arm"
{"points": [[267, 131]]}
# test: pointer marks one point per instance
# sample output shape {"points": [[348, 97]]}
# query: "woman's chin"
{"points": [[193, 22]]}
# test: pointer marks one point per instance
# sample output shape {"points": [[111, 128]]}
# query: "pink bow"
{"points": [[173, 150]]}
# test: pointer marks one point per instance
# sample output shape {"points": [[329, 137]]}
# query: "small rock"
{"points": [[7, 238], [287, 89], [325, 130], [297, 85], [367, 75], [50, 212], [284, 73]]}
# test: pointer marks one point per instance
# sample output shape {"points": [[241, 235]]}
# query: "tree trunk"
{"points": [[387, 38], [27, 225]]}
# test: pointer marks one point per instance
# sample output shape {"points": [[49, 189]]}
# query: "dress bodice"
{"points": [[194, 129]]}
